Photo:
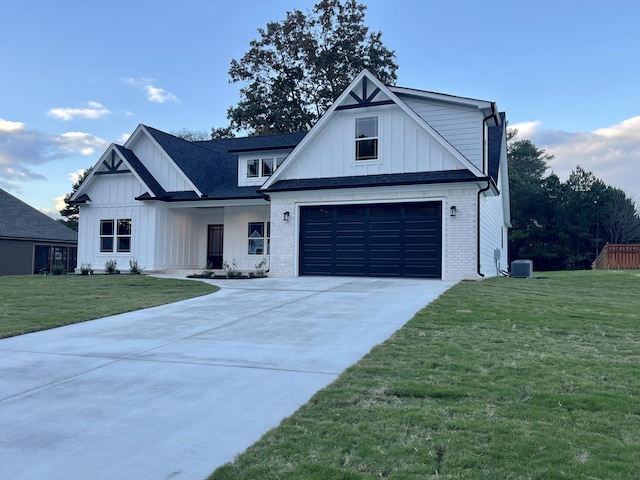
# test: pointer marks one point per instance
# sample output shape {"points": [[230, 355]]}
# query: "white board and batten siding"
{"points": [[403, 147], [461, 127], [159, 165], [236, 234], [493, 236], [112, 198]]}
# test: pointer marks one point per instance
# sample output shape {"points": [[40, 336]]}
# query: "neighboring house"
{"points": [[32, 242], [391, 181]]}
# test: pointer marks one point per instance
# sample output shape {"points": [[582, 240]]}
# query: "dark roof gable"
{"points": [[142, 171], [212, 165], [21, 221]]}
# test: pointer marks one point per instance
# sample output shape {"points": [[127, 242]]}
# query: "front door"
{"points": [[214, 246]]}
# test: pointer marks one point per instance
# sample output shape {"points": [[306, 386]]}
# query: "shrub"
{"points": [[110, 267], [232, 271], [261, 269], [207, 273], [134, 268], [86, 269], [57, 269]]}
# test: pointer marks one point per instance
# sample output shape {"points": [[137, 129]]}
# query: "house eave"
{"points": [[353, 183]]}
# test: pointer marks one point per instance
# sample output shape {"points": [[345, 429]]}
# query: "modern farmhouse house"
{"points": [[391, 181]]}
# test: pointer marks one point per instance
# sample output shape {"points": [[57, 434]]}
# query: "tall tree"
{"points": [[563, 225], [202, 135], [192, 135], [622, 218], [70, 212], [300, 65]]}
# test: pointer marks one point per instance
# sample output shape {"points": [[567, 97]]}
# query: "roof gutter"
{"points": [[481, 191]]}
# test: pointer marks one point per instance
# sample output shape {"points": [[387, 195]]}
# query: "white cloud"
{"points": [[94, 110], [58, 204], [154, 94], [22, 149], [51, 213], [525, 129], [9, 126], [76, 176], [82, 143], [159, 95], [610, 153], [122, 139]]}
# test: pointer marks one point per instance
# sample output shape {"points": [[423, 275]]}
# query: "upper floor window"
{"points": [[115, 233], [263, 167], [367, 138]]}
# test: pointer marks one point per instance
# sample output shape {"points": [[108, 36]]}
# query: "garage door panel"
{"points": [[402, 239]]}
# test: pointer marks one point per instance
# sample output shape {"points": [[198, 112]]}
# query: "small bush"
{"points": [[134, 268], [86, 269], [232, 271], [261, 269], [206, 273], [57, 269], [110, 267]]}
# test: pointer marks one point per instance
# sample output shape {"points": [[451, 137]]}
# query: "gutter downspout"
{"points": [[482, 190]]}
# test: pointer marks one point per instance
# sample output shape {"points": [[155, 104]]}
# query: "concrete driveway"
{"points": [[173, 392]]}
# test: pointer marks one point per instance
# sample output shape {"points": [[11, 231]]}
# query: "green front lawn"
{"points": [[499, 379], [36, 302]]}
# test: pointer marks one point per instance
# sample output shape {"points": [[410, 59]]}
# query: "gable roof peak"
{"points": [[380, 95]]}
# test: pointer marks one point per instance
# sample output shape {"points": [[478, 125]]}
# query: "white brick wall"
{"points": [[460, 236], [459, 232]]}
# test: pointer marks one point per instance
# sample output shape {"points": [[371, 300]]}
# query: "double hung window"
{"points": [[259, 238], [367, 138]]}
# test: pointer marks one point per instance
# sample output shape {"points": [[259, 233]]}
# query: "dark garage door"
{"points": [[379, 240]]}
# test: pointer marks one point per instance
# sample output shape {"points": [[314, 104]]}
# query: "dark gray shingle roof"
{"points": [[21, 221], [213, 168], [212, 165]]}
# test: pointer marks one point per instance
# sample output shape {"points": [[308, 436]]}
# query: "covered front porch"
{"points": [[193, 238]]}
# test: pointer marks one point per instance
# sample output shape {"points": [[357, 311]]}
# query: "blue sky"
{"points": [[79, 75]]}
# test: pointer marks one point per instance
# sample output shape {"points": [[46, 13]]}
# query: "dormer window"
{"points": [[263, 167], [367, 138]]}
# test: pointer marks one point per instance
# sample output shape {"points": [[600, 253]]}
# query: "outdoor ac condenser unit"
{"points": [[522, 269]]}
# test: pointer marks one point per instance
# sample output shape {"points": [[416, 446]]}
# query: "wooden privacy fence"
{"points": [[618, 257]]}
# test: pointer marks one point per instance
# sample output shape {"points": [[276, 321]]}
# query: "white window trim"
{"points": [[260, 178], [266, 238], [356, 139], [115, 236]]}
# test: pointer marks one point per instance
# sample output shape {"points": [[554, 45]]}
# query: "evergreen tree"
{"points": [[70, 212]]}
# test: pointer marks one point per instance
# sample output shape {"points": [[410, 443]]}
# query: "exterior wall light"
{"points": [[286, 216], [452, 211]]}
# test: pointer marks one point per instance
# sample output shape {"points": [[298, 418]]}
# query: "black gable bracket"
{"points": [[366, 99], [112, 167]]}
